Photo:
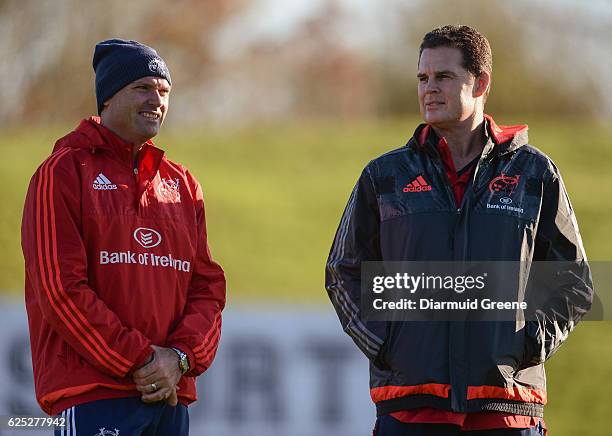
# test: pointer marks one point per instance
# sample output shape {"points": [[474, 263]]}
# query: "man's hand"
{"points": [[172, 399], [157, 379]]}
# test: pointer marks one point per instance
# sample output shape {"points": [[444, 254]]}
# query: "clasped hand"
{"points": [[157, 379]]}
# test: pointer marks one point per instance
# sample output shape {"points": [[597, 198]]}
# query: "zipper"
{"points": [[480, 169], [142, 200], [137, 187], [433, 153], [457, 339], [483, 163], [442, 173]]}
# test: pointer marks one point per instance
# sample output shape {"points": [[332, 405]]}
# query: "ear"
{"points": [[482, 84], [103, 110]]}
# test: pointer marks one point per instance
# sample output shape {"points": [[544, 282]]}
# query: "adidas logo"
{"points": [[103, 184], [417, 185]]}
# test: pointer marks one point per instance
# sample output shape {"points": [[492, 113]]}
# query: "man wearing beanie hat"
{"points": [[123, 298]]}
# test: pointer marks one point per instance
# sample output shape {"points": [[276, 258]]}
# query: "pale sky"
{"points": [[275, 19], [370, 22]]}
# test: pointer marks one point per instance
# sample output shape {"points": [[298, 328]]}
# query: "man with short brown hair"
{"points": [[463, 189]]}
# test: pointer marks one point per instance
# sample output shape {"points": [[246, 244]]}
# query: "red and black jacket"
{"points": [[460, 366], [116, 259]]}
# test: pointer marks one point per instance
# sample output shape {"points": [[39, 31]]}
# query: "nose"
{"points": [[156, 98], [431, 86]]}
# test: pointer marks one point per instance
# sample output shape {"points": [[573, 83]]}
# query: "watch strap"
{"points": [[183, 360]]}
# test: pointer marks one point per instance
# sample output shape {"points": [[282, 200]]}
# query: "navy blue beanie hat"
{"points": [[118, 62]]}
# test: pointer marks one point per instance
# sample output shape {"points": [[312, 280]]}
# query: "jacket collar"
{"points": [[505, 138], [91, 134]]}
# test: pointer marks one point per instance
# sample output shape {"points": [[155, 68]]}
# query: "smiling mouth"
{"points": [[151, 115], [433, 104]]}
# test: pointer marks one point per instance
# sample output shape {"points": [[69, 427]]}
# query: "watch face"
{"points": [[183, 361]]}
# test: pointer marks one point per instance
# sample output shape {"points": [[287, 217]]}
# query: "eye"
{"points": [[422, 79]]}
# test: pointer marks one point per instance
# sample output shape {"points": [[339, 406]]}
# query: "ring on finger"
{"points": [[153, 387]]}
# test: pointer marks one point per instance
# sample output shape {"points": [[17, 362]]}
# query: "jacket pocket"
{"points": [[417, 352], [63, 353], [495, 351], [530, 353], [382, 361], [73, 359]]}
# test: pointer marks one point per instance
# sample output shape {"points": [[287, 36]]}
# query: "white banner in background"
{"points": [[278, 371]]}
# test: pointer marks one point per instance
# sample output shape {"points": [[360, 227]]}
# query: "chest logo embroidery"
{"points": [[146, 237], [417, 185], [168, 189], [503, 187], [102, 183]]}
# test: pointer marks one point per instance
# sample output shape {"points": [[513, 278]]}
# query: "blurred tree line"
{"points": [[547, 59], [541, 59]]}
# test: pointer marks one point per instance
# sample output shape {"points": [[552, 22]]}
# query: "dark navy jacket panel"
{"points": [[403, 209]]}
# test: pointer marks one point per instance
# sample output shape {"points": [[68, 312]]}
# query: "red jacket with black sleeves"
{"points": [[116, 260]]}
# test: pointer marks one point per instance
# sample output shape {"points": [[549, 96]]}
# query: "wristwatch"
{"points": [[183, 361]]}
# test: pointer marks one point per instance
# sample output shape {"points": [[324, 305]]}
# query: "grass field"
{"points": [[275, 194]]}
